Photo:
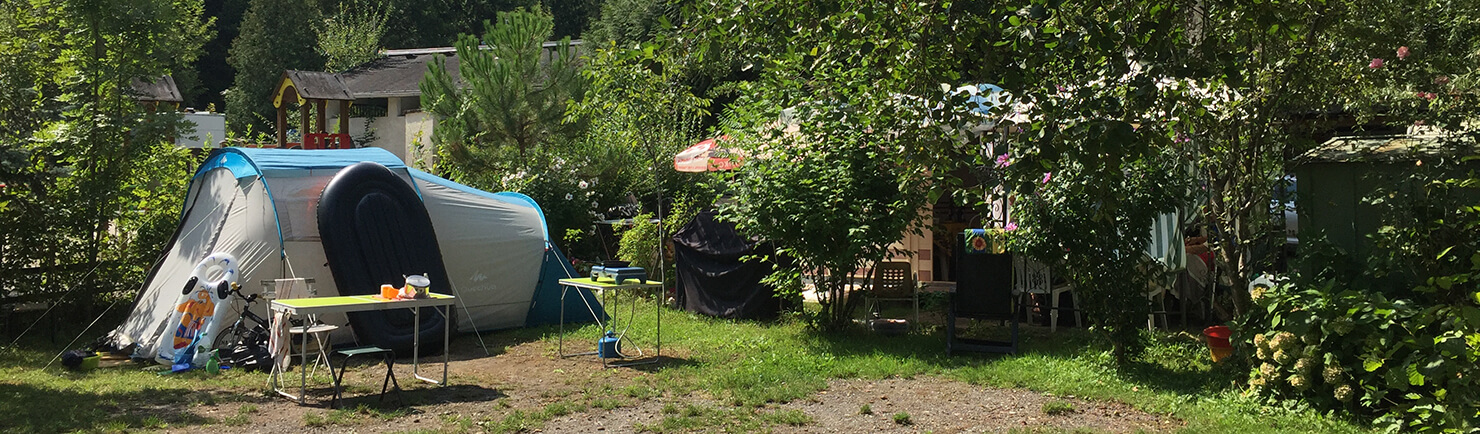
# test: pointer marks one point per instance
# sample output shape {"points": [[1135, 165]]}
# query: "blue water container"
{"points": [[609, 346]]}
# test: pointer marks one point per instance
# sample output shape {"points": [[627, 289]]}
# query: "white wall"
{"points": [[210, 130], [419, 149], [402, 127]]}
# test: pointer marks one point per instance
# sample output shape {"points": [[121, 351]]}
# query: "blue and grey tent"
{"points": [[261, 205]]}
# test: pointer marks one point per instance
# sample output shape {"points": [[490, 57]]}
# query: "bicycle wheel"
{"points": [[231, 337]]}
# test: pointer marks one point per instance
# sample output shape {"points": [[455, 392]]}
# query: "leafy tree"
{"points": [[572, 17], [89, 174], [641, 112], [837, 121], [275, 35], [352, 36], [626, 22]]}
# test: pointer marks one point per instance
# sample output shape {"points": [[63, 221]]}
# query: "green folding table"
{"points": [[359, 303], [606, 287]]}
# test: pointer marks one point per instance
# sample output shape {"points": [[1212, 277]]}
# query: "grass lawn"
{"points": [[746, 365]]}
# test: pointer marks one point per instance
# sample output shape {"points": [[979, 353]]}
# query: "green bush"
{"points": [[1393, 332], [1359, 350]]}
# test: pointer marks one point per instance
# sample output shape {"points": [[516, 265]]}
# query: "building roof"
{"points": [[398, 73], [155, 89], [1390, 148]]}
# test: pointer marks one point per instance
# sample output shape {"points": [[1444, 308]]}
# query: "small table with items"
{"points": [[609, 345], [357, 303]]}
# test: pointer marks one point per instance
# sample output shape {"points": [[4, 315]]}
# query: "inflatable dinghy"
{"points": [[376, 231]]}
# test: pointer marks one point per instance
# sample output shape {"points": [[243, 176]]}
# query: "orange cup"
{"points": [[388, 292]]}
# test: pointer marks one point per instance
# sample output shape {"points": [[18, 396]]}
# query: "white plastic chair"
{"points": [[1033, 277]]}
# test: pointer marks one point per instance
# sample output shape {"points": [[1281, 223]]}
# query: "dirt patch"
{"points": [[527, 386]]}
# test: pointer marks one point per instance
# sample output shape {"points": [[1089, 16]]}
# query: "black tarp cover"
{"points": [[712, 278]]}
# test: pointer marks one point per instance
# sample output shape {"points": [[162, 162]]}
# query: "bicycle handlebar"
{"points": [[237, 289]]}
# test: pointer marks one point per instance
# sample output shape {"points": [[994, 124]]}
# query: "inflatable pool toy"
{"points": [[200, 309]]}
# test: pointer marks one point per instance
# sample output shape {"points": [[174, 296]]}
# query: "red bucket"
{"points": [[1217, 337]]}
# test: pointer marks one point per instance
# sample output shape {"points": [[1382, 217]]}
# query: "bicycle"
{"points": [[244, 342]]}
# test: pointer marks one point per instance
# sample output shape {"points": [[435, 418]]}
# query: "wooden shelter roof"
{"points": [[313, 85], [156, 89]]}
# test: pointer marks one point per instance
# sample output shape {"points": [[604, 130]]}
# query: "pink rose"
{"points": [[1047, 176], [1002, 161], [1011, 226], [1402, 53], [1376, 63]]}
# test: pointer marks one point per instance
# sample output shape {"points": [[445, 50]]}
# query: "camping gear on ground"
{"points": [[889, 326], [713, 277], [260, 205], [305, 288], [418, 285], [80, 360], [1030, 277], [386, 356], [244, 343], [983, 292], [609, 347], [373, 226], [618, 274], [213, 365]]}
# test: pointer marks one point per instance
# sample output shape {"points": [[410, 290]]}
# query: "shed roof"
{"points": [[1390, 148], [157, 89], [398, 73]]}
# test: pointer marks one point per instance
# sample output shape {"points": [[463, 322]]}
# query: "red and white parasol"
{"points": [[707, 156]]}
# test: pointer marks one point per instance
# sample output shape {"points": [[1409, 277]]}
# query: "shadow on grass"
{"points": [[930, 346], [465, 346], [428, 396], [662, 363], [1175, 364], [40, 410]]}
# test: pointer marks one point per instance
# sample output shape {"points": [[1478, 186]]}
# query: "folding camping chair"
{"points": [[983, 292], [304, 288]]}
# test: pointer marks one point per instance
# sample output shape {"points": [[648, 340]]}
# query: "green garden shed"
{"points": [[1335, 178]]}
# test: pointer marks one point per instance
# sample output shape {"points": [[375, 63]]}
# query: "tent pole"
{"points": [[476, 331]]}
